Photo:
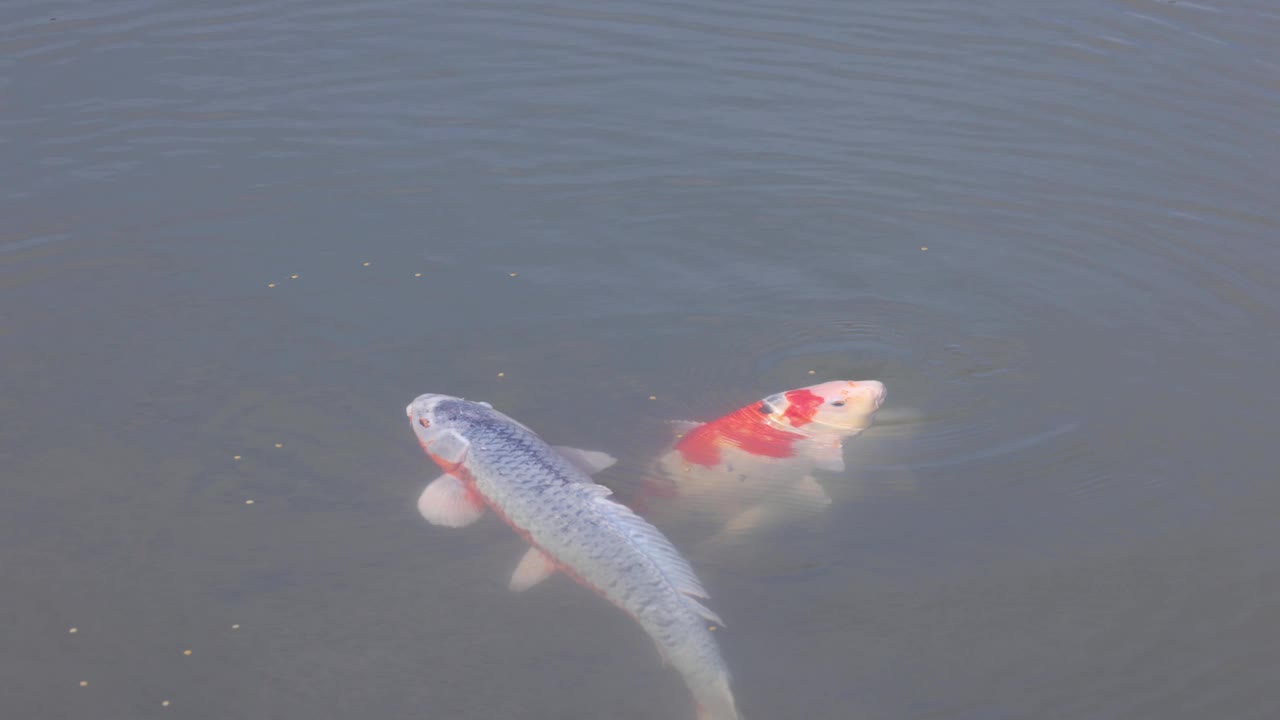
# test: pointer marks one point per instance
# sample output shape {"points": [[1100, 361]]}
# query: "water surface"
{"points": [[1049, 228]]}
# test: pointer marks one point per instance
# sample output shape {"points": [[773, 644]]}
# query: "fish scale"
{"points": [[599, 543]]}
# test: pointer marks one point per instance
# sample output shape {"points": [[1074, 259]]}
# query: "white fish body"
{"points": [[573, 526]]}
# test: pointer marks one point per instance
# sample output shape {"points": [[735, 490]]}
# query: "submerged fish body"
{"points": [[546, 495], [755, 465]]}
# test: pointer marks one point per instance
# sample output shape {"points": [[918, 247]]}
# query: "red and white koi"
{"points": [[757, 460], [545, 495]]}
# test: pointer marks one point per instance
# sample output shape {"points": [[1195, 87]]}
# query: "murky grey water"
{"points": [[1073, 517]]}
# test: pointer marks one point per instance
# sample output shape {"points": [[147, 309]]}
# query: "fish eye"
{"points": [[838, 403], [424, 422]]}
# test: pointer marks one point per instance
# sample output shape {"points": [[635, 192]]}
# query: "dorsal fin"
{"points": [[706, 612], [588, 461], [595, 489]]}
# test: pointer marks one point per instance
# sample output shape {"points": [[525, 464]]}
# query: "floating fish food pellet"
{"points": [[73, 631], [164, 703], [248, 502], [417, 274], [186, 652], [84, 683], [236, 626], [513, 274], [271, 284], [367, 264], [293, 277], [279, 445], [813, 372], [502, 374]]}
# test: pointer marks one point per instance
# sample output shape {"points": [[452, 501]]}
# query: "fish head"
{"points": [[839, 408], [441, 422]]}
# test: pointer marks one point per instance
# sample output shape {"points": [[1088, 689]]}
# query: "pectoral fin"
{"points": [[449, 503], [827, 456], [737, 528], [802, 499], [589, 461], [810, 492], [534, 567], [746, 521]]}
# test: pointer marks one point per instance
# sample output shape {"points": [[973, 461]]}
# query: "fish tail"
{"points": [[715, 701]]}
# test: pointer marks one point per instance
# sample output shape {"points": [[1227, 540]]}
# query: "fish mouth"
{"points": [[878, 388], [871, 390]]}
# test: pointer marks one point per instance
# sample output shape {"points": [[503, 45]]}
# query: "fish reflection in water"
{"points": [[546, 495], [754, 466]]}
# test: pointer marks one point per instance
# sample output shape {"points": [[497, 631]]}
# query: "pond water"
{"points": [[239, 237]]}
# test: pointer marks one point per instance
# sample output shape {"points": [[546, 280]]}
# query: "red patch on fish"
{"points": [[803, 406], [745, 428]]}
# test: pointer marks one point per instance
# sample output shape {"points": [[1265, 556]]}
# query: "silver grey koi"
{"points": [[546, 495]]}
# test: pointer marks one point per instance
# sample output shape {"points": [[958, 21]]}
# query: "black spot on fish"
{"points": [[764, 409]]}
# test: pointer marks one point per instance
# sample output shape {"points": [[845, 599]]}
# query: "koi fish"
{"points": [[756, 463], [572, 526]]}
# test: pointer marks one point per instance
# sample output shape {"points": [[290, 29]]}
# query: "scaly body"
{"points": [[546, 496]]}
